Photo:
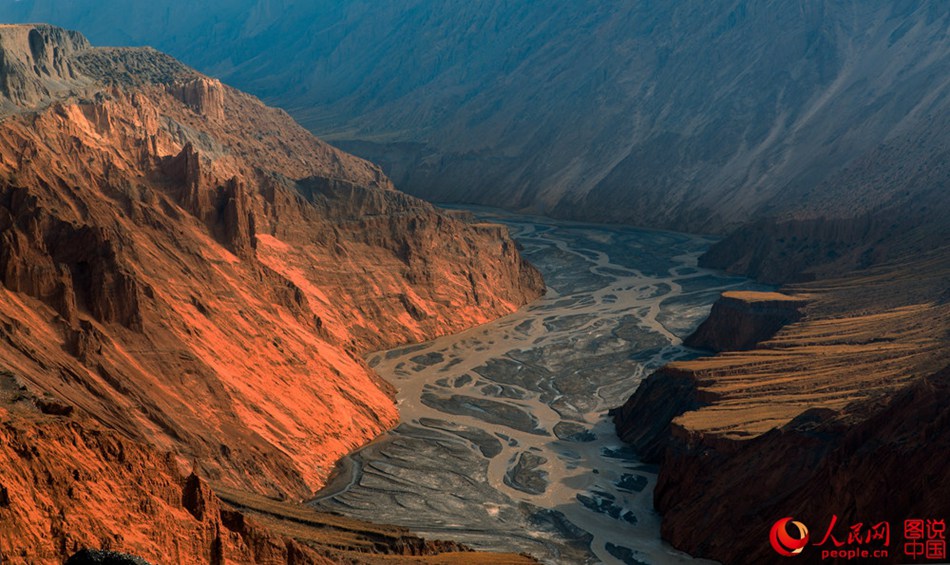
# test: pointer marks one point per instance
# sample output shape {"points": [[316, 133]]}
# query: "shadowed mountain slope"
{"points": [[696, 116]]}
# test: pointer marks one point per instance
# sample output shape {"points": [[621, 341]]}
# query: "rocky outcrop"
{"points": [[645, 420], [838, 413], [66, 266], [202, 94], [37, 64], [740, 320], [165, 276], [871, 463], [194, 192], [74, 487]]}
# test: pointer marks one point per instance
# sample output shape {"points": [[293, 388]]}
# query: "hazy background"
{"points": [[687, 115]]}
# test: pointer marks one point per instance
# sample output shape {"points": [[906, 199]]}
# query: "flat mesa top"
{"points": [[754, 296]]}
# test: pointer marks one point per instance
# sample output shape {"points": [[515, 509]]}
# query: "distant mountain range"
{"points": [[696, 116]]}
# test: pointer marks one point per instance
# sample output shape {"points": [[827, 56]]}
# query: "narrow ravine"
{"points": [[505, 442]]}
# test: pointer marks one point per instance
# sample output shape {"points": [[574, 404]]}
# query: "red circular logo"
{"points": [[788, 544]]}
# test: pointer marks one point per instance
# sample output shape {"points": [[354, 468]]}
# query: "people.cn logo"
{"points": [[788, 544]]}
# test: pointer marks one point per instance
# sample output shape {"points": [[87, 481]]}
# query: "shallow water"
{"points": [[504, 442]]}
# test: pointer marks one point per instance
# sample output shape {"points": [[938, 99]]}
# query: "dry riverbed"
{"points": [[504, 442]]}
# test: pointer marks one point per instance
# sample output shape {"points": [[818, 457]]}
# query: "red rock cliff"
{"points": [[194, 272], [740, 320]]}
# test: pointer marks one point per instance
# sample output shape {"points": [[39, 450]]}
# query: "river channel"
{"points": [[504, 442]]}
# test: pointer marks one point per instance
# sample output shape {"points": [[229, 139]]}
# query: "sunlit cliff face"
{"points": [[191, 269]]}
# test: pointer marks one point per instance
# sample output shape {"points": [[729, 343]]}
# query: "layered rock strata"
{"points": [[198, 276]]}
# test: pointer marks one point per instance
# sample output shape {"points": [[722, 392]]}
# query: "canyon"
{"points": [[189, 280], [172, 248], [504, 441]]}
